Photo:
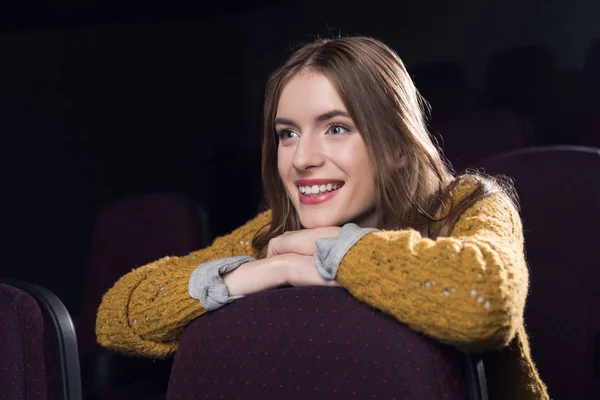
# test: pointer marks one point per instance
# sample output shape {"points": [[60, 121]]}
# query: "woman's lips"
{"points": [[320, 198]]}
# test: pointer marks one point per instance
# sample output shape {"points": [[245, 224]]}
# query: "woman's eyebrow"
{"points": [[332, 114], [323, 117], [286, 121]]}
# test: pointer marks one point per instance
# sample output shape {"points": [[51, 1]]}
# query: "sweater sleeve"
{"points": [[146, 310], [467, 290]]}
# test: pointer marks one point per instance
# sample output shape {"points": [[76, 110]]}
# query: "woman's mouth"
{"points": [[317, 194], [316, 190]]}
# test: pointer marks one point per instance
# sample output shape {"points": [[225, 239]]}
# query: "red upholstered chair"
{"points": [[559, 190], [128, 234], [310, 343], [38, 352], [22, 363]]}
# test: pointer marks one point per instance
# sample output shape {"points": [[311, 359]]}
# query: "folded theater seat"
{"points": [[315, 343]]}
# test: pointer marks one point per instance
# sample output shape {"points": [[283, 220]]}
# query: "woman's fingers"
{"points": [[303, 241]]}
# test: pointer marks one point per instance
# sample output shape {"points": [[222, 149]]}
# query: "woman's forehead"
{"points": [[308, 95]]}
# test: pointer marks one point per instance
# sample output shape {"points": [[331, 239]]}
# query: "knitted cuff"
{"points": [[332, 250], [206, 283]]}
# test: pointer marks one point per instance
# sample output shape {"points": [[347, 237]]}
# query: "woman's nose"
{"points": [[308, 154]]}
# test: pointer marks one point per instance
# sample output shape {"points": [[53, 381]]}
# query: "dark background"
{"points": [[100, 100]]}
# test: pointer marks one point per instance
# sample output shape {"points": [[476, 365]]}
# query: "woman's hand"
{"points": [[255, 276], [290, 261], [300, 270], [302, 242], [285, 269]]}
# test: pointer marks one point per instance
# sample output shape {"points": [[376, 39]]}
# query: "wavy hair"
{"points": [[412, 179]]}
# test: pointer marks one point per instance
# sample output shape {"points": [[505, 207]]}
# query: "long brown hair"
{"points": [[411, 177]]}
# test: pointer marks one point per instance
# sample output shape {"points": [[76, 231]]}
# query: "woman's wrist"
{"points": [[256, 276], [206, 282]]}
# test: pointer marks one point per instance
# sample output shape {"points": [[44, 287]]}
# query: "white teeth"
{"points": [[315, 189]]}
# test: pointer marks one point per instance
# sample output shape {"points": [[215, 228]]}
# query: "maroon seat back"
{"points": [[130, 233], [42, 360], [22, 363], [310, 343], [559, 190]]}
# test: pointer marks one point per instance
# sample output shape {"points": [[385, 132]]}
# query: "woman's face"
{"points": [[322, 158]]}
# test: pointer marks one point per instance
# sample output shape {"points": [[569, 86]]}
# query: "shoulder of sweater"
{"points": [[495, 213], [496, 210], [468, 184]]}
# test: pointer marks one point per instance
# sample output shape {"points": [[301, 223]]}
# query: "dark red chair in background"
{"points": [[130, 233], [559, 190], [39, 358], [315, 343]]}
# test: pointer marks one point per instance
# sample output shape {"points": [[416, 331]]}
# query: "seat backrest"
{"points": [[130, 233], [50, 331], [556, 319], [301, 343], [22, 364], [559, 191]]}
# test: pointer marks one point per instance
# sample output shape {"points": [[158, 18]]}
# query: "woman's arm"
{"points": [[255, 276], [146, 310], [284, 269], [467, 290]]}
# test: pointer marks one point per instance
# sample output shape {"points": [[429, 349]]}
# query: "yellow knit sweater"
{"points": [[467, 290]]}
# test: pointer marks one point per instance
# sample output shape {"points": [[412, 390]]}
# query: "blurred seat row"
{"points": [[525, 100]]}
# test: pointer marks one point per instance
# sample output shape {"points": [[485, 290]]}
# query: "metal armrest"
{"points": [[475, 376], [64, 337]]}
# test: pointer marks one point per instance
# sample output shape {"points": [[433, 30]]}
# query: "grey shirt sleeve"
{"points": [[207, 285], [332, 250]]}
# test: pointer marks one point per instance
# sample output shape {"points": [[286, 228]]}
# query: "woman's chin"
{"points": [[319, 221]]}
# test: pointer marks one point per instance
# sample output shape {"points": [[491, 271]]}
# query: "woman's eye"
{"points": [[338, 129], [286, 134]]}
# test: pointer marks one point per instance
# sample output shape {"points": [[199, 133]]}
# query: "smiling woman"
{"points": [[360, 197], [322, 158]]}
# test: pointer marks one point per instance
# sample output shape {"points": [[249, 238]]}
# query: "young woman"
{"points": [[360, 197]]}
